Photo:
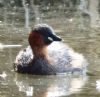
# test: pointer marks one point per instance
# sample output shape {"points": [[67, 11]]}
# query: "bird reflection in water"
{"points": [[50, 86]]}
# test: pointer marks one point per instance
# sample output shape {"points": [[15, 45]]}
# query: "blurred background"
{"points": [[76, 21]]}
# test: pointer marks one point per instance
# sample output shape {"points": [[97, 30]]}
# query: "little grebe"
{"points": [[46, 55]]}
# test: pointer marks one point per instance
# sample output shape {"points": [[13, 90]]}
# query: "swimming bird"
{"points": [[47, 54]]}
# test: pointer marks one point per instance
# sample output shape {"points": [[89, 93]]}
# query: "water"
{"points": [[78, 32]]}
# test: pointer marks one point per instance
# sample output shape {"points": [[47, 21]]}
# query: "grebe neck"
{"points": [[40, 52], [39, 48]]}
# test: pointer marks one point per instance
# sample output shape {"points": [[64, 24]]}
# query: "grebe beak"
{"points": [[54, 37]]}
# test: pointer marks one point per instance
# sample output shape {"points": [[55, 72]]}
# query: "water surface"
{"points": [[76, 31]]}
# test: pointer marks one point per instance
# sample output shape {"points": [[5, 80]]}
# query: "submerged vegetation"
{"points": [[39, 10], [18, 3]]}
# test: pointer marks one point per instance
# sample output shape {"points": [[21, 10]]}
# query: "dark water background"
{"points": [[76, 21]]}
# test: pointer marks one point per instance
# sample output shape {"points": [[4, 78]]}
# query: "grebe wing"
{"points": [[24, 57]]}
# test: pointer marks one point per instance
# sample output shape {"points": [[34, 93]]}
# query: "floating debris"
{"points": [[2, 46], [3, 75], [98, 85]]}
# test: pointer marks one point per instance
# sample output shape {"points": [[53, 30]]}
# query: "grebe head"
{"points": [[42, 35]]}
